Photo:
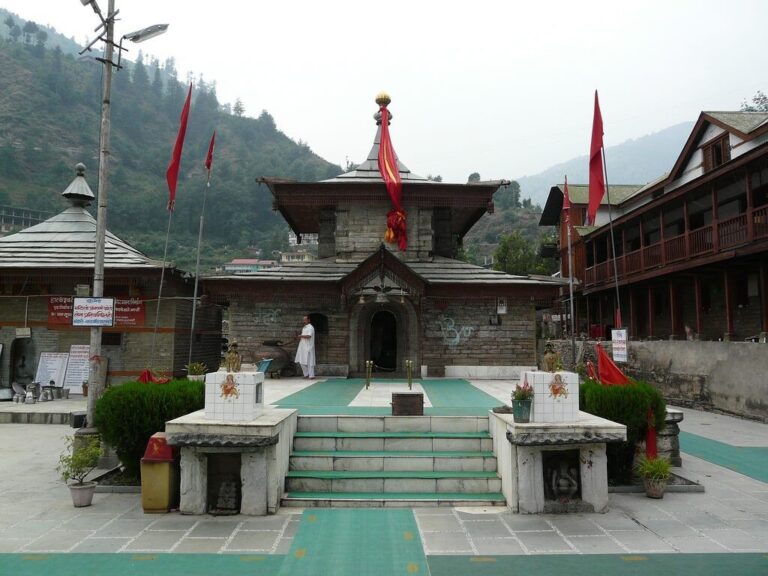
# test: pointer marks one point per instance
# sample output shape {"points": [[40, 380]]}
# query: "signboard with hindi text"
{"points": [[52, 366], [619, 340], [128, 311], [93, 312], [77, 367]]}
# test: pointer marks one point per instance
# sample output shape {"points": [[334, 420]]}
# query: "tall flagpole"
{"points": [[617, 320], [160, 291], [197, 272], [567, 200]]}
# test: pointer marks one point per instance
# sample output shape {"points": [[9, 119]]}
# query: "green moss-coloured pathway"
{"points": [[750, 461], [453, 397]]}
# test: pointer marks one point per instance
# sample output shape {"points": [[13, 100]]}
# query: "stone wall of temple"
{"points": [[460, 332]]}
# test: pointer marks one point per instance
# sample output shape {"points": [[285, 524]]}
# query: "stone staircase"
{"points": [[408, 461]]}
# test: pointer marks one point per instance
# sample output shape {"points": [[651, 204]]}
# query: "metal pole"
{"points": [[570, 287], [96, 366], [617, 319], [197, 275], [160, 291]]}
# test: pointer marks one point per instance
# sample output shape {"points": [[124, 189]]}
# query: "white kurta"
{"points": [[305, 354]]}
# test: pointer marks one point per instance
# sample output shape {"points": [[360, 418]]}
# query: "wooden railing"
{"points": [[728, 233]]}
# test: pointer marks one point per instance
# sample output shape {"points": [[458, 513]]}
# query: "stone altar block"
{"points": [[234, 396], [556, 396]]}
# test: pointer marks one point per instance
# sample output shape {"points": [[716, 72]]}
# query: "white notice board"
{"points": [[52, 366], [78, 368], [619, 341]]}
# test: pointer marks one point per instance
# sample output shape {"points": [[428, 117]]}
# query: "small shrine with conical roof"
{"points": [[387, 286], [43, 267]]}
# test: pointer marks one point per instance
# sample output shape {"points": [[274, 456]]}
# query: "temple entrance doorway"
{"points": [[383, 341]]}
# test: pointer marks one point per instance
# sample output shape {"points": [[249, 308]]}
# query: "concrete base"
{"points": [[264, 444], [483, 372]]}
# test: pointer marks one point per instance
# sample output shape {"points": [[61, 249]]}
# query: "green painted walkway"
{"points": [[448, 398], [599, 564], [752, 462], [355, 543]]}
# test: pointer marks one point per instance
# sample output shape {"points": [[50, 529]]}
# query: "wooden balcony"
{"points": [[727, 234]]}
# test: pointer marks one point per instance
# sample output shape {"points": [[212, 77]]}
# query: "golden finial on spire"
{"points": [[383, 99]]}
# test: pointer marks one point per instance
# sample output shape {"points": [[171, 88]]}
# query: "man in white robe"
{"points": [[305, 354]]}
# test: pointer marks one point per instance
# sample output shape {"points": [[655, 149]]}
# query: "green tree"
{"points": [[515, 255], [238, 109], [10, 22], [759, 103], [473, 178], [15, 33]]}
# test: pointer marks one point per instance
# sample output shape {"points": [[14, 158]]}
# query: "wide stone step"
{"points": [[390, 499], [336, 423], [393, 441], [391, 481], [393, 460]]}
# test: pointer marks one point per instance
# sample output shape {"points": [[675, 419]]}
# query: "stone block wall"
{"points": [[459, 332]]}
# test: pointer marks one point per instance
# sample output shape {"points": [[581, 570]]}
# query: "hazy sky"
{"points": [[501, 88]]}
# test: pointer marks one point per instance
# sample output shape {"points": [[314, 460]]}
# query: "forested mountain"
{"points": [[49, 113]]}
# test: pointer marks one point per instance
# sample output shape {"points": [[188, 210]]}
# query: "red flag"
{"points": [[209, 157], [172, 174], [596, 178], [608, 371], [396, 225]]}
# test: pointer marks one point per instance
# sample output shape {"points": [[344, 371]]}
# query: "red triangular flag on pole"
{"points": [[172, 174], [596, 177], [608, 371], [209, 157], [396, 226]]}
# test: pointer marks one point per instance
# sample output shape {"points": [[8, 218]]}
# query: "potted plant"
{"points": [[655, 473], [522, 400], [196, 371], [75, 463]]}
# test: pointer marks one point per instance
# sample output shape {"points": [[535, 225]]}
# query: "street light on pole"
{"points": [[106, 33]]}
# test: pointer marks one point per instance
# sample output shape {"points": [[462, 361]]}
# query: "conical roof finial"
{"points": [[78, 192]]}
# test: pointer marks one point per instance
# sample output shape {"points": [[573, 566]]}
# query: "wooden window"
{"points": [[716, 152]]}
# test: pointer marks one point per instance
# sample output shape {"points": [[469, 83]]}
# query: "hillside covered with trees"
{"points": [[49, 111]]}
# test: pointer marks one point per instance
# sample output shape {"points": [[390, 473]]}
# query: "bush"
{"points": [[626, 405], [127, 415]]}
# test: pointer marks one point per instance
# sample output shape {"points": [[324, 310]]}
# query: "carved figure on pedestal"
{"points": [[564, 483], [551, 359], [232, 361]]}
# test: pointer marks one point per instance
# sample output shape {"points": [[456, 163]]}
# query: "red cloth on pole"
{"points": [[608, 371], [172, 174], [618, 318], [146, 377], [596, 177], [209, 156], [591, 371], [651, 449], [396, 224]]}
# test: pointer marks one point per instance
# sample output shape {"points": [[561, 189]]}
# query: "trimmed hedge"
{"points": [[626, 405], [128, 415]]}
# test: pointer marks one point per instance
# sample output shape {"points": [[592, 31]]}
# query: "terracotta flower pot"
{"points": [[82, 494], [654, 488]]}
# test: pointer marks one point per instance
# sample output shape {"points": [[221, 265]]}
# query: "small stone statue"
{"points": [[564, 483], [232, 360], [551, 358]]}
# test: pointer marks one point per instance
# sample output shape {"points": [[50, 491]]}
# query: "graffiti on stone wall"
{"points": [[266, 316], [452, 334]]}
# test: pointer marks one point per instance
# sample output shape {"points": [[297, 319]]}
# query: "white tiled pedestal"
{"points": [[548, 405], [234, 396]]}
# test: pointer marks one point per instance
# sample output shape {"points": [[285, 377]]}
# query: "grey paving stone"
{"points": [[30, 528], [669, 527], [122, 527], [702, 520], [433, 512], [58, 540], [735, 539], [101, 545], [291, 528], [439, 524], [640, 541], [13, 544], [524, 522], [543, 541], [596, 545], [155, 541], [614, 522], [445, 542], [487, 529], [183, 523], [266, 522], [209, 529], [284, 546], [575, 526], [200, 546], [498, 546], [694, 544], [254, 541], [87, 522]]}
